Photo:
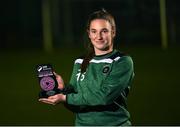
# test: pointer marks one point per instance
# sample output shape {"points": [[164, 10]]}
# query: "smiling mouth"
{"points": [[99, 42]]}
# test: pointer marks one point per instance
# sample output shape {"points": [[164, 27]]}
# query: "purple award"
{"points": [[47, 81]]}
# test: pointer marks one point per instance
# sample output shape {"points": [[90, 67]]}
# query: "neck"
{"points": [[102, 52]]}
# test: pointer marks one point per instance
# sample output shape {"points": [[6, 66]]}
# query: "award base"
{"points": [[46, 94]]}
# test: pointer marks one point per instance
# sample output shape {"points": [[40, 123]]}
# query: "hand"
{"points": [[53, 100], [59, 80]]}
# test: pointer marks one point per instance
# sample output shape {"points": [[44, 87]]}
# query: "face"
{"points": [[101, 35]]}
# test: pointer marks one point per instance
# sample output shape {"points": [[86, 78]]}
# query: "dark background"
{"points": [[138, 22], [154, 97]]}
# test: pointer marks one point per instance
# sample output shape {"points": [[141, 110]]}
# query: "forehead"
{"points": [[100, 23]]}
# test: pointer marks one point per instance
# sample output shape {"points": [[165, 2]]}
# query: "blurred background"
{"points": [[53, 31]]}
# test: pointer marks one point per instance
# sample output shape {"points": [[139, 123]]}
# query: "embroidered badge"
{"points": [[106, 69]]}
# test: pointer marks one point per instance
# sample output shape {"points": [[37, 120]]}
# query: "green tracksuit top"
{"points": [[101, 91]]}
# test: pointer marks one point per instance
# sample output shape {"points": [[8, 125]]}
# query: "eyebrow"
{"points": [[101, 29], [92, 29]]}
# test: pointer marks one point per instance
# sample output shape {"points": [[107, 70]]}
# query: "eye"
{"points": [[93, 31], [104, 30]]}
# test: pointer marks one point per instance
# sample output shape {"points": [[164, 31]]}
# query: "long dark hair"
{"points": [[101, 14]]}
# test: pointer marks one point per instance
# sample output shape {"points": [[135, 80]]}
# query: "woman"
{"points": [[100, 81]]}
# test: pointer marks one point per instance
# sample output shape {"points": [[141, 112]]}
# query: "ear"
{"points": [[113, 32], [87, 32]]}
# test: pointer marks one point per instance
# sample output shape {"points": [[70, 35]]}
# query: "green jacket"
{"points": [[101, 92]]}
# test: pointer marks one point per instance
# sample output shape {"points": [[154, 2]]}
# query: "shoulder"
{"points": [[122, 59], [118, 55], [79, 59]]}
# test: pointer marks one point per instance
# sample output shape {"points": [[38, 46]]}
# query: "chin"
{"points": [[103, 48]]}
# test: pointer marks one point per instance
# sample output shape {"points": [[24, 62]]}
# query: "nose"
{"points": [[99, 36]]}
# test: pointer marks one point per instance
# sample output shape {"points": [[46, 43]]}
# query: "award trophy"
{"points": [[47, 81]]}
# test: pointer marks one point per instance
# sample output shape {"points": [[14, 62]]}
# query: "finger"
{"points": [[52, 97], [55, 73], [47, 101], [59, 78], [43, 99]]}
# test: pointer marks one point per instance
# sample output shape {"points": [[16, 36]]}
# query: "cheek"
{"points": [[91, 37], [107, 37]]}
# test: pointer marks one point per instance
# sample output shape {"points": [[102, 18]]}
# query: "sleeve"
{"points": [[118, 79], [73, 76], [71, 86]]}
